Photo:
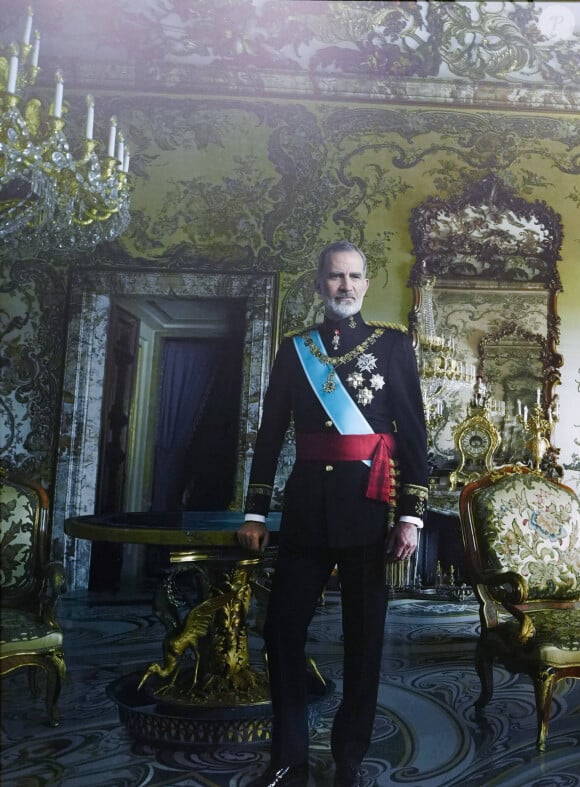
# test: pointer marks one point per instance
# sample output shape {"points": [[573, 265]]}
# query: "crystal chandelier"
{"points": [[50, 201], [440, 371]]}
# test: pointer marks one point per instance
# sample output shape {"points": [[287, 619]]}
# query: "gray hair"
{"points": [[339, 245]]}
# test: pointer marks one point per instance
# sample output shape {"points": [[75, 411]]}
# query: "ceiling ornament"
{"points": [[505, 42], [50, 201]]}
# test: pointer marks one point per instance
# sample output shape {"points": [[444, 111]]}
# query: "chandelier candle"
{"points": [[90, 117], [58, 95]]}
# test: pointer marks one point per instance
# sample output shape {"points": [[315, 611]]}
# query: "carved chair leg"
{"points": [[544, 683], [55, 674], [33, 683], [484, 667]]}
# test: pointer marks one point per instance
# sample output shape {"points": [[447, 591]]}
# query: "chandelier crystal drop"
{"points": [[49, 200]]}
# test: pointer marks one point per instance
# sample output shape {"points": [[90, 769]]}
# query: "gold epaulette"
{"points": [[298, 331], [395, 326]]}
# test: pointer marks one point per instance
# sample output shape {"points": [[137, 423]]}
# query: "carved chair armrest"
{"points": [[54, 585], [510, 588]]}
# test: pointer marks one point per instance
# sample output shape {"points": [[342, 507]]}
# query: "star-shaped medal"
{"points": [[355, 379], [364, 396], [377, 381], [366, 362]]}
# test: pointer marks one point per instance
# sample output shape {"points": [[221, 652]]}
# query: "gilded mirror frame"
{"points": [[490, 240]]}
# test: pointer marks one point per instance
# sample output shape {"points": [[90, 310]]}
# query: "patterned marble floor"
{"points": [[425, 735]]}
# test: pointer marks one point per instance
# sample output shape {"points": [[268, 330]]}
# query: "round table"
{"points": [[219, 696]]}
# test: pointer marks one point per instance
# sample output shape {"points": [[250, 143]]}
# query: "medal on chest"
{"points": [[365, 380], [364, 387]]}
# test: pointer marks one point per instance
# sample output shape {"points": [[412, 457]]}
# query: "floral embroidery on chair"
{"points": [[17, 507], [533, 527]]}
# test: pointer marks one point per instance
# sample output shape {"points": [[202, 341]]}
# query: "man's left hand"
{"points": [[401, 542]]}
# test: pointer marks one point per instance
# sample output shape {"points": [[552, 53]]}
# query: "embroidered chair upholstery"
{"points": [[521, 533], [29, 634]]}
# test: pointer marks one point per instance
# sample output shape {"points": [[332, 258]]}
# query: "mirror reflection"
{"points": [[485, 283]]}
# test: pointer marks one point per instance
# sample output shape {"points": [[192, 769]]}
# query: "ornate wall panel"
{"points": [[300, 173], [33, 298]]}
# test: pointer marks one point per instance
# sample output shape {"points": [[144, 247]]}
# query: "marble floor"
{"points": [[426, 733]]}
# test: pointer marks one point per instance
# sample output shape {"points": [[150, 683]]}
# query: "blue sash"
{"points": [[338, 404]]}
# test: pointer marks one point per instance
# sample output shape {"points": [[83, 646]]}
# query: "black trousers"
{"points": [[299, 579]]}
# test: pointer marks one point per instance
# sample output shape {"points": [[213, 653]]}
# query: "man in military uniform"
{"points": [[356, 496]]}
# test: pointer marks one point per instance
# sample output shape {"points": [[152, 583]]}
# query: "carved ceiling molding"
{"points": [[178, 79], [514, 42], [472, 53]]}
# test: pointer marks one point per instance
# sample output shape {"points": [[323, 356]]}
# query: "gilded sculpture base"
{"points": [[204, 690], [250, 687], [175, 724]]}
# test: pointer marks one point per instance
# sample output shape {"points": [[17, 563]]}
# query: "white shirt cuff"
{"points": [[412, 520]]}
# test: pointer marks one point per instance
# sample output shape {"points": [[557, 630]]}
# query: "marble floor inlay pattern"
{"points": [[426, 732]]}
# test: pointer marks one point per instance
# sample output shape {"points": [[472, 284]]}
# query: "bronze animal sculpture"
{"points": [[195, 626]]}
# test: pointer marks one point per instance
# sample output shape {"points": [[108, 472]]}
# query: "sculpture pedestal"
{"points": [[168, 724], [222, 699]]}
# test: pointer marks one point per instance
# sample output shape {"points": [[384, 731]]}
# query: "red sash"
{"points": [[379, 448]]}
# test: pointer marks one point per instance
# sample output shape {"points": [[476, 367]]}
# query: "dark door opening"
{"points": [[200, 447], [197, 434]]}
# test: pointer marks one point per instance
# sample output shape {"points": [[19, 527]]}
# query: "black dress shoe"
{"points": [[285, 776], [347, 775]]}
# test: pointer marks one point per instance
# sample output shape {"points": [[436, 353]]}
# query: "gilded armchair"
{"points": [[521, 533], [30, 636]]}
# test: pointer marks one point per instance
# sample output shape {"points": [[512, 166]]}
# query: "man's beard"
{"points": [[338, 310]]}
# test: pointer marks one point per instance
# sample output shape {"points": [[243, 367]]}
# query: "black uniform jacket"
{"points": [[325, 502]]}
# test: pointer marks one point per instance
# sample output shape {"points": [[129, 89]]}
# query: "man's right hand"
{"points": [[254, 535]]}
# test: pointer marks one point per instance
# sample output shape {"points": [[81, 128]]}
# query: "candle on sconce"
{"points": [[519, 407], [537, 396], [126, 161], [12, 70], [28, 27], [112, 137], [58, 95], [90, 117], [120, 149], [36, 49], [526, 414]]}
